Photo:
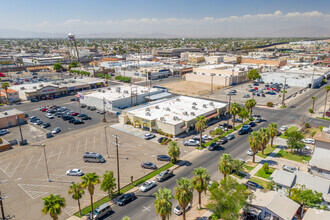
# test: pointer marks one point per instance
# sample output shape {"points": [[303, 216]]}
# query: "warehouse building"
{"points": [[11, 118], [116, 98], [175, 115]]}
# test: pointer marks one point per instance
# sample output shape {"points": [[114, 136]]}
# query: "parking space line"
{"points": [[94, 141], [50, 154], [38, 161], [16, 167], [59, 154], [67, 156], [78, 147], [27, 164], [70, 210], [4, 170], [86, 145]]}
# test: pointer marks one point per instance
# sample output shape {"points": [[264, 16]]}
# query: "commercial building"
{"points": [[116, 98], [11, 118], [174, 115], [173, 51], [41, 60], [12, 95], [265, 62]]}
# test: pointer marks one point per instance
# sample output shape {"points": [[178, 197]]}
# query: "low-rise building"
{"points": [[174, 115], [12, 95], [11, 118]]}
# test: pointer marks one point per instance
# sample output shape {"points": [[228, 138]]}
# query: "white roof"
{"points": [[321, 158], [283, 178], [313, 214], [176, 110], [283, 206]]}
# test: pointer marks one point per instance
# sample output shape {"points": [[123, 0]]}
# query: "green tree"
{"points": [[243, 114], [53, 205], [126, 218], [184, 194], [5, 86], [227, 199], [174, 151], [327, 89], [254, 142], [294, 139], [77, 192], [305, 197], [108, 183], [225, 164], [265, 167], [73, 64], [249, 104], [254, 74], [162, 203], [200, 182], [313, 99], [200, 126], [264, 138], [234, 110], [89, 181], [272, 129], [58, 67]]}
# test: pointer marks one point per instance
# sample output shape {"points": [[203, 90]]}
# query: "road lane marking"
{"points": [[38, 161], [146, 208], [28, 164], [59, 154]]}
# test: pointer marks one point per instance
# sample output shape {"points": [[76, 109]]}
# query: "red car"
{"points": [[74, 114], [44, 109], [2, 75], [256, 88], [268, 88], [273, 89], [328, 114]]}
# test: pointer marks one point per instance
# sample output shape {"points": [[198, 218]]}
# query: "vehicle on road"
{"points": [[4, 131], [56, 130], [74, 172], [149, 136], [308, 141], [230, 136], [78, 122], [93, 157], [164, 175], [252, 124], [253, 185], [223, 140], [125, 198], [249, 152], [101, 211], [284, 128], [213, 146], [163, 158], [45, 125], [206, 137], [191, 142], [148, 165], [146, 186], [178, 211], [49, 115], [289, 168]]}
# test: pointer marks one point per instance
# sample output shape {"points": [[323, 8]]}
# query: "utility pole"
{"points": [[44, 147], [20, 129], [146, 77], [283, 98], [212, 74], [1, 206], [106, 140], [228, 112], [104, 119], [118, 180], [312, 83]]}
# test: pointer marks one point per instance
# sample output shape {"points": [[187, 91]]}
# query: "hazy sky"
{"points": [[186, 17]]}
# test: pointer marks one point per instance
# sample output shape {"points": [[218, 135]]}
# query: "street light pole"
{"points": [[1, 206], [228, 112], [104, 119], [44, 147], [118, 180], [20, 129], [212, 74], [106, 140]]}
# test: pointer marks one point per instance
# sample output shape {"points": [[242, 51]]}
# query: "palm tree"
{"points": [[243, 114], [174, 151], [184, 194], [162, 203], [5, 86], [264, 138], [254, 142], [77, 192], [234, 110], [272, 129], [327, 89], [53, 205], [89, 182], [199, 182], [225, 165], [249, 104], [200, 126], [314, 99]]}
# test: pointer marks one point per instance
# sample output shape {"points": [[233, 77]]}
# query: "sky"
{"points": [[173, 17]]}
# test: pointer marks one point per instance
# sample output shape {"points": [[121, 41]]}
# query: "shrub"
{"points": [[162, 133], [321, 128], [307, 125], [171, 135], [270, 104], [265, 167], [311, 111], [159, 131], [283, 106]]}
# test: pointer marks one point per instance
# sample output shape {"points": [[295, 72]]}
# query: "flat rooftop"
{"points": [[9, 113], [119, 92], [176, 109]]}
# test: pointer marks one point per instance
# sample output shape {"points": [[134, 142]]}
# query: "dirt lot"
{"points": [[189, 87]]}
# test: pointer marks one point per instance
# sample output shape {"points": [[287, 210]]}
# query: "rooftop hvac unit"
{"points": [[185, 113], [108, 88], [194, 103], [41, 85], [125, 91], [176, 118], [147, 109], [148, 114], [162, 119], [156, 107], [168, 109], [22, 88], [193, 107], [34, 87], [99, 90], [211, 104], [118, 89], [103, 91], [192, 113], [178, 100], [204, 106]]}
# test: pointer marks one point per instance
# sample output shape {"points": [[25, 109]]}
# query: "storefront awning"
{"points": [[211, 116]]}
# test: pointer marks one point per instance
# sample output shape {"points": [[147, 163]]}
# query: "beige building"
{"points": [[11, 118], [196, 59]]}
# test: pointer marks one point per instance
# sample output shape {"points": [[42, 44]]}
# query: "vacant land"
{"points": [[189, 87]]}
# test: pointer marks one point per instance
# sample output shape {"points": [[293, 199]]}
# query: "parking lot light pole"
{"points": [[118, 180], [228, 112], [106, 140], [104, 119], [44, 147], [20, 129]]}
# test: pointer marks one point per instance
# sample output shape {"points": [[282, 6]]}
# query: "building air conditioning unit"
{"points": [[194, 103], [193, 107], [192, 113], [147, 109], [22, 88], [109, 88], [185, 113], [99, 90], [178, 100], [162, 119], [156, 107], [41, 85], [167, 109], [103, 91], [211, 104], [125, 91], [148, 114], [204, 106], [34, 87], [118, 89]]}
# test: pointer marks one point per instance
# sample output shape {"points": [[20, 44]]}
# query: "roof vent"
{"points": [[194, 103], [211, 104], [204, 106], [148, 114], [147, 109], [156, 107], [192, 113], [185, 113]]}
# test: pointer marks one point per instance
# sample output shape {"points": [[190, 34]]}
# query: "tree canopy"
{"points": [[254, 74], [305, 197]]}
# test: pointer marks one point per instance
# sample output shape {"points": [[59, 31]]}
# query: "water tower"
{"points": [[73, 40]]}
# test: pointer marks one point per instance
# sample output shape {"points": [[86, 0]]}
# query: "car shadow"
{"points": [[107, 215]]}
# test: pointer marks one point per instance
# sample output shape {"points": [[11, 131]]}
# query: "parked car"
{"points": [[308, 141], [49, 115], [253, 185], [191, 142], [163, 158], [164, 175], [148, 165], [327, 114], [86, 118], [146, 186], [74, 172], [125, 198], [223, 140], [4, 131], [197, 138], [44, 109], [81, 115], [162, 139], [206, 137], [245, 130], [249, 152], [83, 105], [246, 96], [258, 120], [78, 122], [45, 125], [289, 168], [252, 124], [149, 136], [56, 130], [38, 122], [213, 146], [67, 117], [284, 128], [178, 211], [73, 99], [74, 114], [230, 136]]}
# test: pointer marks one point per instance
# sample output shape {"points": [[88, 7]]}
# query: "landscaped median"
{"points": [[125, 189]]}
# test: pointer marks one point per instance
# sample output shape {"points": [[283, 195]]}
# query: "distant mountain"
{"points": [[308, 31]]}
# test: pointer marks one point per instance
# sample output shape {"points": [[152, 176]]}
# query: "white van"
{"points": [[93, 157], [101, 211]]}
